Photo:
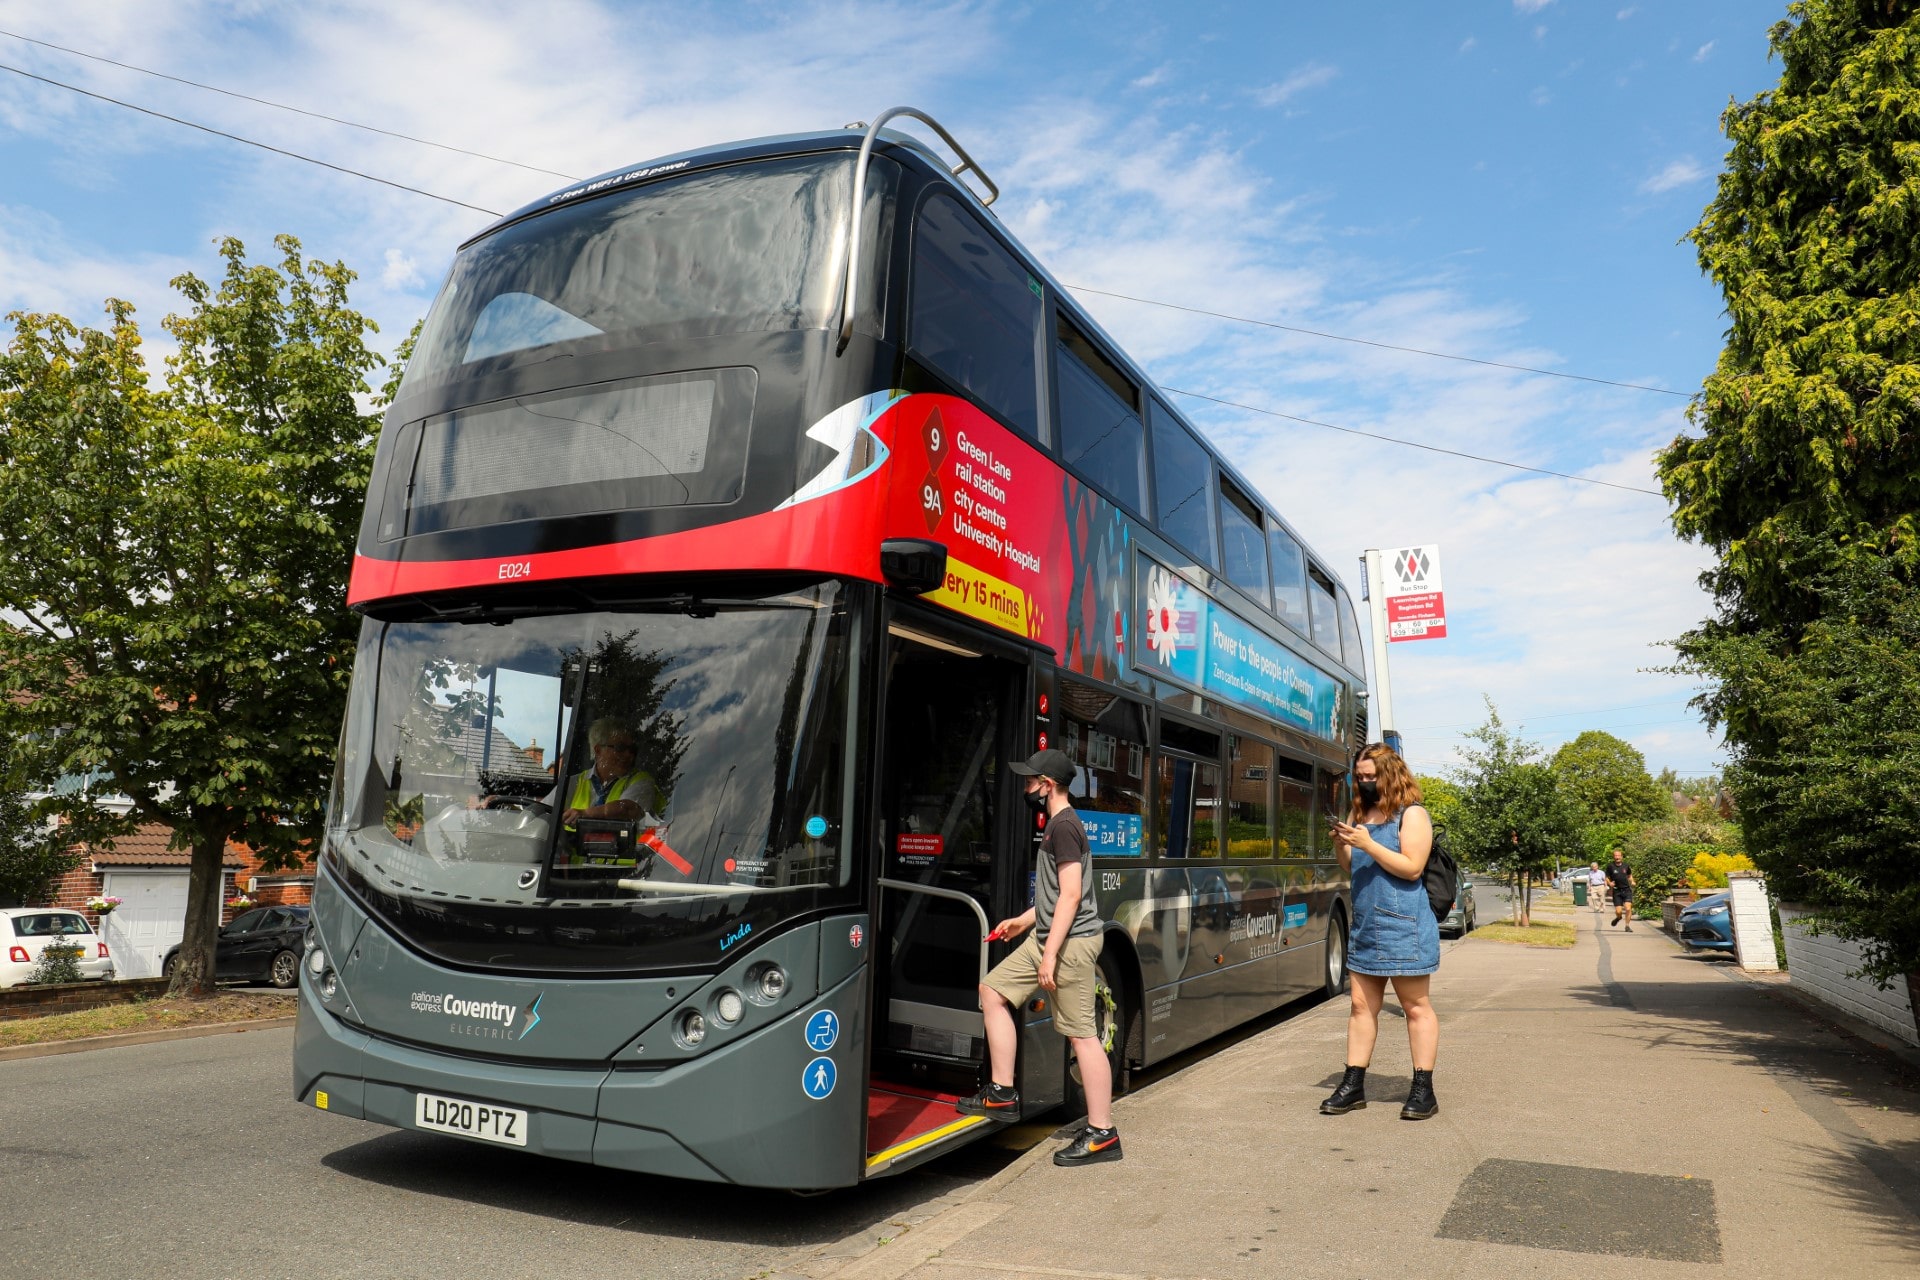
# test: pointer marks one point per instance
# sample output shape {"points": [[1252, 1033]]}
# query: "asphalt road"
{"points": [[190, 1158]]}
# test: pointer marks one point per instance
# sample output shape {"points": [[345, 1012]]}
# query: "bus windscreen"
{"points": [[749, 248], [692, 786]]}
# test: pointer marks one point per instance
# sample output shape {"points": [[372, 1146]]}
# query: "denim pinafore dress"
{"points": [[1394, 932]]}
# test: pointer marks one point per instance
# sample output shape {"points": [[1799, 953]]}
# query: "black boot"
{"points": [[1421, 1104], [1350, 1096]]}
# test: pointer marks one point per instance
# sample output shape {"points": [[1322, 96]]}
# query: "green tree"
{"points": [[179, 554], [30, 859], [1824, 736], [1442, 799], [1802, 471], [1607, 777], [1514, 817], [1705, 786], [1806, 452]]}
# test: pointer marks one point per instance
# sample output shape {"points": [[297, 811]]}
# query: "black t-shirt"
{"points": [[1620, 875]]}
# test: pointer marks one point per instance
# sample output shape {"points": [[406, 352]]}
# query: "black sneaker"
{"points": [[1613, 922], [1093, 1146], [996, 1102]]}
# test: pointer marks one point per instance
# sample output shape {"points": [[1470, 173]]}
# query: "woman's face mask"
{"points": [[1369, 789]]}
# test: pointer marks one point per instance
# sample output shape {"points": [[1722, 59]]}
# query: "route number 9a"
{"points": [[516, 569]]}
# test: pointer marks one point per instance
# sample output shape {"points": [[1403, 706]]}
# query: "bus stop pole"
{"points": [[1377, 614]]}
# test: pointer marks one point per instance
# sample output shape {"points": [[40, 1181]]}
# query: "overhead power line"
{"points": [[281, 106], [1415, 444], [1196, 395], [1384, 346], [234, 137]]}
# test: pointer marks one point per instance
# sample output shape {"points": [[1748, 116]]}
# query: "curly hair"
{"points": [[1398, 787]]}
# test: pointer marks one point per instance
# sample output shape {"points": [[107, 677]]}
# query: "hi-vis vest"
{"points": [[583, 788]]}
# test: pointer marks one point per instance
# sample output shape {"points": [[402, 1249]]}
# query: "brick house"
{"points": [[151, 881]]}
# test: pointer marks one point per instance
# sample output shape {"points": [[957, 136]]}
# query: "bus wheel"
{"points": [[1336, 954], [1112, 1020]]}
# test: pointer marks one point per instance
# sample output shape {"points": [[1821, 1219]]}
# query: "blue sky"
{"points": [[1508, 180]]}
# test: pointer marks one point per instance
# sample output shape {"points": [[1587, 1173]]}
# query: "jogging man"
{"points": [[1596, 887], [1620, 876], [1061, 957]]}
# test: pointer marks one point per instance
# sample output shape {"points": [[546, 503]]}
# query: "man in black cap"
{"points": [[1062, 957]]}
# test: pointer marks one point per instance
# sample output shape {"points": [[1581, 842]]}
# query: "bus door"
{"points": [[953, 858]]}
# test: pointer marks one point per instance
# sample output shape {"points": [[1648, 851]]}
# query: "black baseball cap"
{"points": [[1046, 764]]}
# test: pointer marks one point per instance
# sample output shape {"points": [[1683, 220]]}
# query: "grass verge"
{"points": [[1539, 934], [146, 1015]]}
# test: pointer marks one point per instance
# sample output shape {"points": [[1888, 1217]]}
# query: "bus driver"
{"points": [[613, 788]]}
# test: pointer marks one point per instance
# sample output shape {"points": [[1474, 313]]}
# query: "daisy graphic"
{"points": [[1163, 615]]}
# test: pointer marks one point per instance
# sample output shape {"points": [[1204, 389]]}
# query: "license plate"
{"points": [[471, 1119]]}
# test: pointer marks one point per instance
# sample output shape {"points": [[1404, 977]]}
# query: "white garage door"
{"points": [[150, 919]]}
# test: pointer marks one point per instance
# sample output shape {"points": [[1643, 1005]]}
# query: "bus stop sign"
{"points": [[1416, 608]]}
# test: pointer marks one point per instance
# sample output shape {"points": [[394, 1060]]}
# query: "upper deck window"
{"points": [[1350, 632], [1289, 579], [750, 248], [1243, 547], [976, 314], [1326, 627], [1182, 486], [1101, 435]]}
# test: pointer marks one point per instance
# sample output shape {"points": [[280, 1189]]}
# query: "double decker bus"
{"points": [[741, 516]]}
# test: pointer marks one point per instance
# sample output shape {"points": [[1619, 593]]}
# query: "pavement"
{"points": [[1617, 1109]]}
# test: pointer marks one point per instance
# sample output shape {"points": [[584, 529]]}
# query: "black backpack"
{"points": [[1442, 876]]}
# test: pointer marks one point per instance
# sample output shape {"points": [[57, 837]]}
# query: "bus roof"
{"points": [[890, 140]]}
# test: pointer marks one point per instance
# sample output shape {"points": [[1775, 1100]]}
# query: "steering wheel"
{"points": [[527, 804]]}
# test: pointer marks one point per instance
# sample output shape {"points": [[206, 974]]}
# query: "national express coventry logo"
{"points": [[481, 1019]]}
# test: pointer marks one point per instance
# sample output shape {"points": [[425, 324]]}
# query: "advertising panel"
{"points": [[1193, 640]]}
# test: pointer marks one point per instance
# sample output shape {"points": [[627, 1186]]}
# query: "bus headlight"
{"points": [[329, 985], [729, 1007], [316, 962], [767, 983], [693, 1028]]}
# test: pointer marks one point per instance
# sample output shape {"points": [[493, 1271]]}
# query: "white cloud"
{"points": [[1556, 591], [1540, 97], [1700, 54], [1626, 13], [1312, 76], [1530, 6], [1467, 45], [1157, 76], [1678, 173], [401, 272]]}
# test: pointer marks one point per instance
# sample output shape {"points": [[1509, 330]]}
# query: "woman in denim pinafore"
{"points": [[1395, 937]]}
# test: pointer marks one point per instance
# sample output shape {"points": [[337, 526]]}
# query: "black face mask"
{"points": [[1369, 790], [1037, 801]]}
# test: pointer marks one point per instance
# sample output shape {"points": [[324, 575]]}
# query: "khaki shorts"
{"points": [[1018, 977]]}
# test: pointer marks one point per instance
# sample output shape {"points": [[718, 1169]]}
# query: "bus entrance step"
{"points": [[901, 1119]]}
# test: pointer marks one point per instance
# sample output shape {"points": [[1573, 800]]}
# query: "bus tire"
{"points": [[1112, 1018], [1336, 979]]}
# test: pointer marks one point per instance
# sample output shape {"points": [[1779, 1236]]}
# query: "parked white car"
{"points": [[26, 931]]}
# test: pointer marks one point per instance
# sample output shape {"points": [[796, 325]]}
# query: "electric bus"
{"points": [[741, 516]]}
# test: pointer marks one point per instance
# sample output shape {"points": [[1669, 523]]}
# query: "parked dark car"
{"points": [[1708, 924], [263, 945]]}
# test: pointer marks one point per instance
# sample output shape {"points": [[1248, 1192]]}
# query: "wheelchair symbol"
{"points": [[823, 1031]]}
